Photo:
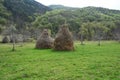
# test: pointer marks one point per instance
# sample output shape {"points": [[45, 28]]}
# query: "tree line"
{"points": [[88, 23]]}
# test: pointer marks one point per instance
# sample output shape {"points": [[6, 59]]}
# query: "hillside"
{"points": [[30, 17], [77, 17], [87, 14], [23, 10], [4, 13], [60, 7]]}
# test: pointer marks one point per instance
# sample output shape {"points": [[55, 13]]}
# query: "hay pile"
{"points": [[45, 41], [5, 40], [63, 40]]}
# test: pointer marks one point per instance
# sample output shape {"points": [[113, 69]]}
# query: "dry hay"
{"points": [[45, 41], [5, 40], [64, 40]]}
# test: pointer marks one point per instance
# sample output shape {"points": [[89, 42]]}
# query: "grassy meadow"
{"points": [[87, 62]]}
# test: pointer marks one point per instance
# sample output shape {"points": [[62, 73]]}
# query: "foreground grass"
{"points": [[87, 62]]}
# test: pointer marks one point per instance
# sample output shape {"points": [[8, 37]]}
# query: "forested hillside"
{"points": [[25, 9], [20, 11], [4, 13], [31, 17], [88, 18], [60, 7]]}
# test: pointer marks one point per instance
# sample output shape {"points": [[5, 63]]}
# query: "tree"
{"points": [[117, 31], [13, 30], [99, 31], [86, 31], [0, 29], [82, 33]]}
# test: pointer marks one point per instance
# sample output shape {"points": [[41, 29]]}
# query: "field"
{"points": [[87, 62]]}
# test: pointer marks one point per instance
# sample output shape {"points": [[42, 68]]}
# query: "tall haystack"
{"points": [[63, 40], [45, 41]]}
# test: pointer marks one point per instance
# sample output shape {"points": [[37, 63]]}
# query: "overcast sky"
{"points": [[111, 4]]}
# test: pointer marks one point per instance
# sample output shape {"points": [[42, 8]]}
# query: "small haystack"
{"points": [[5, 40], [63, 40], [45, 41]]}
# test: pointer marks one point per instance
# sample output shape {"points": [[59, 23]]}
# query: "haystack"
{"points": [[5, 40], [45, 41], [64, 40]]}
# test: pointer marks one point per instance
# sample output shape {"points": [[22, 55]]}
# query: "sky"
{"points": [[111, 4]]}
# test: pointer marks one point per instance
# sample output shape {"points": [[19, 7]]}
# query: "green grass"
{"points": [[87, 62]]}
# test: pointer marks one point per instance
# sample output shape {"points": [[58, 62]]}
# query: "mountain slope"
{"points": [[104, 11], [4, 13], [98, 14], [87, 14], [77, 17], [60, 7], [23, 10]]}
